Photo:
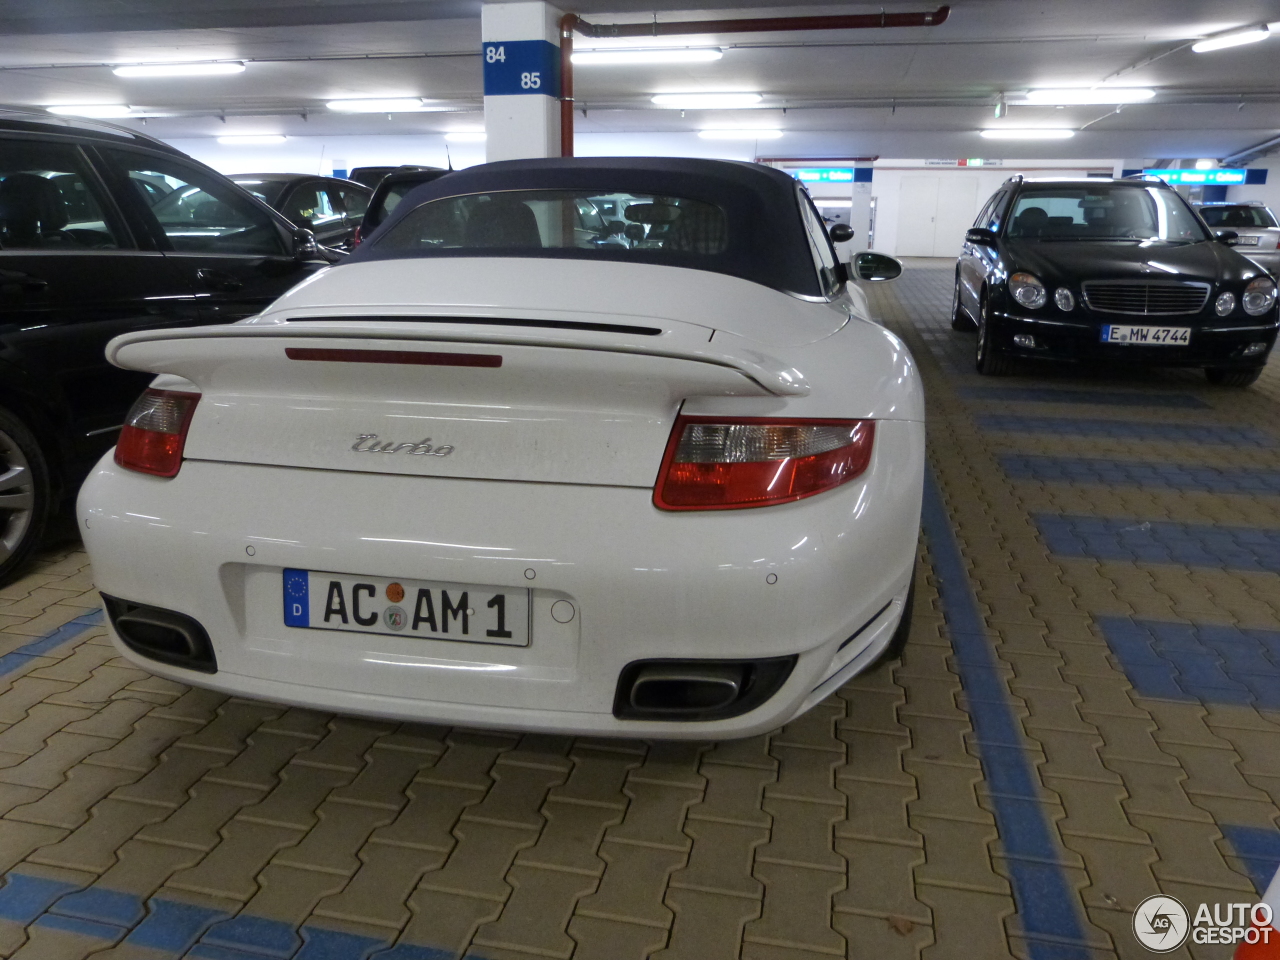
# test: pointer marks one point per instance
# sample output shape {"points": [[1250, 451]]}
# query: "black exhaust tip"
{"points": [[697, 689], [161, 635]]}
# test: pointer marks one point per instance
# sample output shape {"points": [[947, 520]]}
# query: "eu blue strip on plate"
{"points": [[297, 604]]}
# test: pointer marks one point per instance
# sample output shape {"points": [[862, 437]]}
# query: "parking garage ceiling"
{"points": [[894, 92]]}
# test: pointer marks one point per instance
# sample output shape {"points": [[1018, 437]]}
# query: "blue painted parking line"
{"points": [[1259, 850], [1141, 473], [1215, 434], [1047, 905], [1110, 398], [1161, 541], [15, 660], [173, 929], [1204, 663]]}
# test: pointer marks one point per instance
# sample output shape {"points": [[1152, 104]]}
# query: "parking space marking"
{"points": [[26, 654], [1201, 662], [181, 929], [1046, 902], [1210, 433], [1258, 849], [1111, 398], [1141, 473], [1161, 541]]}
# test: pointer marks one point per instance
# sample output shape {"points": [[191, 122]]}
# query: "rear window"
{"points": [[523, 221], [1237, 216]]}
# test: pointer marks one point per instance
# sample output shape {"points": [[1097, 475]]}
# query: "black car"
{"points": [[389, 192], [103, 231], [372, 176], [327, 206], [1110, 270]]}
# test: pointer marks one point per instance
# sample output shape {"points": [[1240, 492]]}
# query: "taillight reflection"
{"points": [[155, 432], [716, 463]]}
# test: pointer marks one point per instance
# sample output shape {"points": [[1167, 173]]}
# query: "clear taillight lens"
{"points": [[715, 463], [155, 431]]}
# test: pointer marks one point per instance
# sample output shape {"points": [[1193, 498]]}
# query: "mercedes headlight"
{"points": [[1225, 303], [1063, 298], [1259, 296], [1028, 290]]}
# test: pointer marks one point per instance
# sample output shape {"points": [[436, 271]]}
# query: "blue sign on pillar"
{"points": [[516, 67]]}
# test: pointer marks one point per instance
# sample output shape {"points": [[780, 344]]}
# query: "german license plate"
{"points": [[406, 608], [1245, 242], [1147, 336]]}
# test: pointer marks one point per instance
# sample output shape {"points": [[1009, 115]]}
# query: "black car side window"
{"points": [[196, 211], [353, 201], [47, 201], [995, 216], [981, 219], [311, 206]]}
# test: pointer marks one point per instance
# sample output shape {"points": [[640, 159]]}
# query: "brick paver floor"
{"points": [[1086, 715]]}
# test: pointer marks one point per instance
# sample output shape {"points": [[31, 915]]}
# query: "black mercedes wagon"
{"points": [[1100, 270], [103, 231]]}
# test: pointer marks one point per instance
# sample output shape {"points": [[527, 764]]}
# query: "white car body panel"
{"points": [[554, 462]]}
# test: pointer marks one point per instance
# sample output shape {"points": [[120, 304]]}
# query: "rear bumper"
{"points": [[1214, 342], [212, 544]]}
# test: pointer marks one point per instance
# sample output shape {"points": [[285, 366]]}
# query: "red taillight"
{"points": [[715, 463], [154, 432], [356, 237]]}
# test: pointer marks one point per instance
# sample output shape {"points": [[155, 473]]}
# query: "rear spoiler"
{"points": [[769, 373]]}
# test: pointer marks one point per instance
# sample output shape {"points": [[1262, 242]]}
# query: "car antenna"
{"points": [[449, 157]]}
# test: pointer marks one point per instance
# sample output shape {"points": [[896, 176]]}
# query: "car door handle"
{"points": [[24, 281], [216, 280]]}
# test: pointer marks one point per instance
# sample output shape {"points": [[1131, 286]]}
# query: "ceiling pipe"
{"points": [[571, 23], [1251, 153]]}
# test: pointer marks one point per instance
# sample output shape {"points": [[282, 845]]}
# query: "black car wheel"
{"points": [[1232, 378], [24, 494], [987, 358], [959, 319]]}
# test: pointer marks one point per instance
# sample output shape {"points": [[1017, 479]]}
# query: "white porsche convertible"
{"points": [[586, 446]]}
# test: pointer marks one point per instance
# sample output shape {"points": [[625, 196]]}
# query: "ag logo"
{"points": [[1161, 923]]}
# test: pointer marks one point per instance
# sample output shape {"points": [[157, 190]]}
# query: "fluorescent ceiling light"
{"points": [[1026, 133], [586, 58], [1235, 38], [206, 69], [707, 101], [466, 136], [382, 105], [739, 134], [1095, 95], [94, 110], [248, 139], [1205, 164]]}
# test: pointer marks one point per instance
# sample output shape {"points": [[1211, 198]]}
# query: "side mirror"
{"points": [[981, 236], [840, 233], [1225, 236], [304, 245], [876, 266]]}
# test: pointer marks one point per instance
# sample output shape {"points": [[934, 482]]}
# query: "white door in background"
{"points": [[917, 212], [957, 206]]}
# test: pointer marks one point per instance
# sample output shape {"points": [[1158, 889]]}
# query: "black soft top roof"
{"points": [[766, 236]]}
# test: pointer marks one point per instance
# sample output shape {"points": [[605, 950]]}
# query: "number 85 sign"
{"points": [[515, 67]]}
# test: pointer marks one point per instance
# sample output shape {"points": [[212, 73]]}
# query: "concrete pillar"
{"points": [[860, 212], [520, 46]]}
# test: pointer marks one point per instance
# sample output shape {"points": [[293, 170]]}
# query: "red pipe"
{"points": [[571, 22]]}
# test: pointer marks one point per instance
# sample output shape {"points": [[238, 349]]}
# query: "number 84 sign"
{"points": [[516, 67]]}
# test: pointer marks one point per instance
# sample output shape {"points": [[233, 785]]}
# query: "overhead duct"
{"points": [[571, 23]]}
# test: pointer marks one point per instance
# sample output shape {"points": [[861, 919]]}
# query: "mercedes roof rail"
{"points": [[39, 117]]}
